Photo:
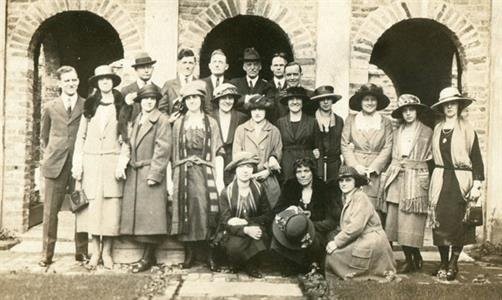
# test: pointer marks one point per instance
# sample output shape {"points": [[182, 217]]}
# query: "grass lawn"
{"points": [[54, 286]]}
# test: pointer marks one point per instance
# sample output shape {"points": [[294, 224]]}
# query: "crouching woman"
{"points": [[361, 248], [245, 215]]}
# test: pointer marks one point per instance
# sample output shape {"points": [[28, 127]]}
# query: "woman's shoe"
{"points": [[441, 270], [407, 267], [418, 261], [189, 258], [451, 273], [108, 262], [253, 272], [142, 266], [93, 263], [212, 265]]}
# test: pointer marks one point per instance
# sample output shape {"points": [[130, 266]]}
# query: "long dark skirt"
{"points": [[450, 211], [239, 249]]}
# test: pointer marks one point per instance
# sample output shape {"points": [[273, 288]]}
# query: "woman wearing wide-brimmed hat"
{"points": [[298, 130], [456, 180], [367, 138], [245, 216], [405, 184], [95, 160], [329, 133], [361, 247], [308, 193], [259, 136], [144, 215], [197, 174], [224, 98]]}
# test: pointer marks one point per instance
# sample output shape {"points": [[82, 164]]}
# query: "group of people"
{"points": [[249, 168]]}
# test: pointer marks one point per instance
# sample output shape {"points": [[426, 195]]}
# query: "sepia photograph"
{"points": [[250, 149]]}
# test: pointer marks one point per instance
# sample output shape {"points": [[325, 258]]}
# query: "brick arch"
{"points": [[302, 41], [465, 35]]}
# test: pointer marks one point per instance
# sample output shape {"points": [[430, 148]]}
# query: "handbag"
{"points": [[473, 216], [78, 200]]}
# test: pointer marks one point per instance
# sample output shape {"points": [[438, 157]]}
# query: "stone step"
{"points": [[198, 289]]}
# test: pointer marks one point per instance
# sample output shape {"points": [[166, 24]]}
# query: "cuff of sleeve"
{"points": [[155, 176]]}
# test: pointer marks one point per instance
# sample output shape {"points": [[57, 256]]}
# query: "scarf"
{"points": [[325, 122], [461, 145], [248, 204], [205, 161]]}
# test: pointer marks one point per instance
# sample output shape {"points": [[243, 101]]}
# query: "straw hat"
{"points": [[104, 71]]}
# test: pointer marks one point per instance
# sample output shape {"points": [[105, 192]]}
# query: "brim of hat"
{"points": [[192, 94], [335, 97], [250, 106], [248, 59], [115, 78], [280, 236], [355, 100], [144, 64], [150, 94], [236, 96], [232, 165], [463, 100], [397, 113], [284, 100], [360, 180]]}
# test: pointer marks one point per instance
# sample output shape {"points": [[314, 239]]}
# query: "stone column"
{"points": [[3, 21], [161, 37], [493, 163], [333, 49]]}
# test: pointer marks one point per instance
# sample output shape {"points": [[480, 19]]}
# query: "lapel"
{"points": [[302, 126], [77, 110], [60, 108], [346, 205], [147, 126], [234, 122], [263, 136]]}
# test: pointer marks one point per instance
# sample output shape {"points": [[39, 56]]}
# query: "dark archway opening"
{"points": [[235, 34], [79, 39], [418, 55]]}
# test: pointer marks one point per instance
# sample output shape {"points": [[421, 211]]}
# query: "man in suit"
{"points": [[293, 74], [217, 65], [171, 89], [277, 67], [60, 123], [143, 65], [251, 84]]}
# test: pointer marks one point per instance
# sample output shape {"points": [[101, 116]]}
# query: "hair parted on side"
{"points": [[64, 69]]}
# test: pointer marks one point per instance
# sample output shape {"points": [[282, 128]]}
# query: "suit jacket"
{"points": [[170, 91], [325, 210], [135, 108], [261, 87], [58, 135], [209, 107], [236, 119]]}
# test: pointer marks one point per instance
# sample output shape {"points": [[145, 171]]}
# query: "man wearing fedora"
{"points": [[252, 83], [171, 89], [143, 65], [328, 133], [217, 65], [60, 122]]}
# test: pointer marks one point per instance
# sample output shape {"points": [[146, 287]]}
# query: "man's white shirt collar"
{"points": [[72, 99], [248, 79], [141, 83]]}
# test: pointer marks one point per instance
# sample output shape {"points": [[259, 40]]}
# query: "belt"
{"points": [[409, 164], [140, 163], [193, 160], [295, 147], [454, 168]]}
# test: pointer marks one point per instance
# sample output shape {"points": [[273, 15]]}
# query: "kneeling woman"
{"points": [[361, 247], [245, 215], [144, 204]]}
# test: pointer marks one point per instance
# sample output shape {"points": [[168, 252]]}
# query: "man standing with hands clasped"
{"points": [[60, 123]]}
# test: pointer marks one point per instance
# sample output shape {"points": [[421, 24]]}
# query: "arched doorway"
{"points": [[420, 56], [235, 34], [76, 38]]}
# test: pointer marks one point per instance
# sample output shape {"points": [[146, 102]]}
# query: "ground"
{"points": [[21, 277]]}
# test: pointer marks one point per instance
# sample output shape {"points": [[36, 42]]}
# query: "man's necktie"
{"points": [[217, 81], [68, 108], [250, 84], [279, 85]]}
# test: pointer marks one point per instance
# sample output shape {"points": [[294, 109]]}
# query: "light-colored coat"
{"points": [[144, 207], [370, 149], [58, 135], [362, 245]]}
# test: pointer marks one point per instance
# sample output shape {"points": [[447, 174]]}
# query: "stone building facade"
{"points": [[416, 46]]}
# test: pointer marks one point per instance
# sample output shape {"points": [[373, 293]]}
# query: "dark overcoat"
{"points": [[144, 207]]}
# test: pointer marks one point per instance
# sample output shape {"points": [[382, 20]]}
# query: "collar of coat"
{"points": [[250, 126]]}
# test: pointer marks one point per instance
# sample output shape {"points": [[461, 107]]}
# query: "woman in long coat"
{"points": [[456, 180], [361, 247], [245, 216], [298, 130], [198, 176], [144, 206], [405, 184], [224, 97], [260, 137], [95, 161], [367, 139], [310, 194]]}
